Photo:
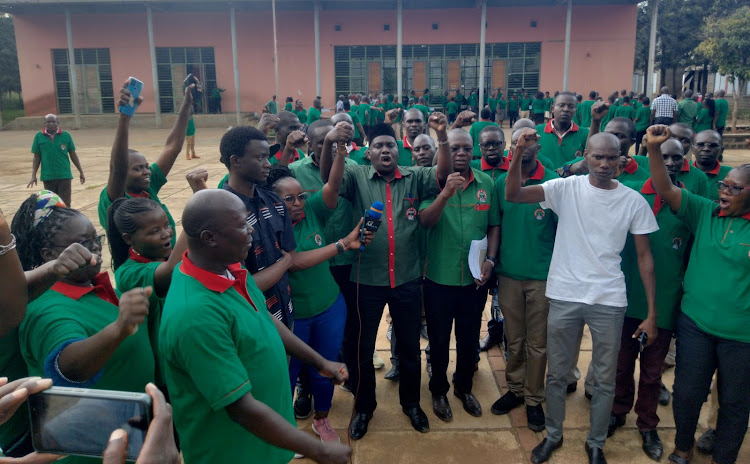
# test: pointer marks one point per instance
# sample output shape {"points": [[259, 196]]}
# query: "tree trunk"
{"points": [[741, 84], [705, 78]]}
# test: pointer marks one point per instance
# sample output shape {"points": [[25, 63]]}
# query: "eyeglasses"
{"points": [[491, 144], [712, 146], [733, 190], [88, 244], [290, 198]]}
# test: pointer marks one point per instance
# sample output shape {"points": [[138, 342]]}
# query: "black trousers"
{"points": [[363, 319], [443, 305]]}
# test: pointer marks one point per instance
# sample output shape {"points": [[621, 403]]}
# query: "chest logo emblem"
{"points": [[411, 214], [482, 196], [539, 214], [676, 243], [318, 239]]}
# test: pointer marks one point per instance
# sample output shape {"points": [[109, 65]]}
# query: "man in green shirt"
{"points": [[722, 110], [687, 109], [388, 271], [216, 95], [707, 149], [415, 125], [670, 246], [422, 106], [586, 109], [359, 130], [365, 114], [356, 153], [444, 101], [474, 101], [130, 174], [513, 110], [500, 111], [51, 148], [525, 253], [494, 161], [642, 121], [452, 291], [560, 138], [694, 179], [625, 110], [288, 104], [215, 333], [538, 105], [300, 111], [313, 113], [525, 102], [477, 127], [271, 106], [452, 109]]}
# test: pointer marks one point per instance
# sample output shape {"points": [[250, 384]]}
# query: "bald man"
{"points": [[523, 122], [414, 122], [355, 152], [585, 283], [51, 148], [423, 151]]}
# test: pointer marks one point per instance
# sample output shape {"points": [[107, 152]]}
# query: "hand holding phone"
{"points": [[642, 341], [130, 96]]}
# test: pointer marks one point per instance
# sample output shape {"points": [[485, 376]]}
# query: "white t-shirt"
{"points": [[593, 224]]}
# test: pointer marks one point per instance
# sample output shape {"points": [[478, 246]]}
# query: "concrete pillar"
{"points": [[72, 69], [154, 73], [235, 62], [566, 65], [316, 18], [652, 47], [275, 49], [482, 34], [399, 51]]}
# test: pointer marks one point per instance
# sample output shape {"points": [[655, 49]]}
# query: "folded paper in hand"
{"points": [[477, 256]]}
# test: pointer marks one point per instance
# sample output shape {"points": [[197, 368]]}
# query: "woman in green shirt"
{"points": [[538, 106], [320, 310], [712, 329], [705, 117]]}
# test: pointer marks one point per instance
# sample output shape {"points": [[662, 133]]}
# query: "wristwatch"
{"points": [[492, 259]]}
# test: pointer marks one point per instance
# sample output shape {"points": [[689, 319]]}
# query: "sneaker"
{"points": [[706, 442], [389, 332], [506, 402], [535, 417], [302, 404], [377, 361], [664, 396], [322, 428]]}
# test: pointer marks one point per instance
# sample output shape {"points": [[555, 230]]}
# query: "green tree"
{"points": [[10, 80], [727, 45]]}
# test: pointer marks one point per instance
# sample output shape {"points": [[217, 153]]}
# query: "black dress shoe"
{"points": [[572, 387], [543, 450], [615, 422], [442, 408], [535, 417], [358, 427], [588, 395], [596, 455], [707, 442], [393, 374], [652, 445], [302, 404], [418, 418], [664, 396], [471, 405], [487, 342], [428, 368], [506, 402]]}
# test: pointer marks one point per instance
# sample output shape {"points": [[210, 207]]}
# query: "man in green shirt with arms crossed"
{"points": [[722, 110], [51, 148], [271, 106]]}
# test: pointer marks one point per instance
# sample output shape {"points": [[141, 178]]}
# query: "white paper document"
{"points": [[477, 256]]}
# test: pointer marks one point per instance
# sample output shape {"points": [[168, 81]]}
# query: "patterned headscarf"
{"points": [[46, 201]]}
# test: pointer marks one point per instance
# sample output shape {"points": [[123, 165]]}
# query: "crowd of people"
{"points": [[274, 290]]}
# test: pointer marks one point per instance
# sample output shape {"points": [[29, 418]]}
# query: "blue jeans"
{"points": [[699, 354], [324, 334]]}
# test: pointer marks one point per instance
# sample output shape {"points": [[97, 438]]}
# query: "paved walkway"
{"points": [[492, 439]]}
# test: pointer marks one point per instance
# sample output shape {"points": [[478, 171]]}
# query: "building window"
{"points": [[437, 67], [94, 81], [172, 67]]}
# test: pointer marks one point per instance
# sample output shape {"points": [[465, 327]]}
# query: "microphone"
{"points": [[372, 220]]}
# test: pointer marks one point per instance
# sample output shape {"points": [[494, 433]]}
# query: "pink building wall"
{"points": [[601, 55]]}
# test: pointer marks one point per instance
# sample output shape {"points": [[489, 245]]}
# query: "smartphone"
{"points": [[642, 340], [135, 86], [79, 421]]}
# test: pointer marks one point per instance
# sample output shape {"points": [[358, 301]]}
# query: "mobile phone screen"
{"points": [[76, 425]]}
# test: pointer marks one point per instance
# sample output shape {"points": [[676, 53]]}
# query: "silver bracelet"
{"points": [[6, 248]]}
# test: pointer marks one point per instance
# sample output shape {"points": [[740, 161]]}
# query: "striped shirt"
{"points": [[664, 106]]}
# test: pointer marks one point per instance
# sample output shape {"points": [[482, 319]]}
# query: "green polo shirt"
{"points": [[712, 177], [425, 111], [54, 153], [501, 104], [452, 108], [55, 318], [703, 121], [717, 290], [670, 246], [358, 156], [549, 103], [313, 289], [157, 182], [138, 272], [217, 347], [625, 111], [527, 231], [474, 131], [492, 103], [642, 118], [13, 366], [340, 223], [473, 100], [513, 104], [272, 107], [560, 151], [377, 116], [444, 101], [190, 128], [636, 104], [687, 109], [586, 112], [694, 179], [577, 116], [288, 106], [404, 153], [313, 114], [362, 112], [460, 99], [465, 218], [301, 115], [390, 260], [722, 109], [538, 106], [355, 120], [525, 102], [493, 171]]}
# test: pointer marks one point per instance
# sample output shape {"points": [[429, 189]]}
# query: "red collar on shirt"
{"points": [[549, 128], [217, 283], [102, 288], [471, 179], [538, 172], [398, 174], [632, 166], [685, 166], [143, 194], [406, 143], [503, 166], [51, 137], [648, 189], [744, 216], [713, 172], [280, 153], [138, 258]]}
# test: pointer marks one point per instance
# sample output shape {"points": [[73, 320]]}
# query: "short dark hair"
{"points": [[381, 129], [347, 106], [236, 139], [492, 129], [646, 101], [277, 173], [486, 113], [628, 122], [592, 95], [121, 219]]}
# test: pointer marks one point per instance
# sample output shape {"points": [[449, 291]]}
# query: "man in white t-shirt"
{"points": [[585, 283]]}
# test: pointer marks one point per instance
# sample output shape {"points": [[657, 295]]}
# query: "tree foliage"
{"points": [[10, 80]]}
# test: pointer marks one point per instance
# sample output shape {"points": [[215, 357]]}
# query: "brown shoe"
{"points": [[196, 157]]}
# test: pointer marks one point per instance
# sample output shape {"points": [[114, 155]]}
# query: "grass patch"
{"points": [[9, 114]]}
